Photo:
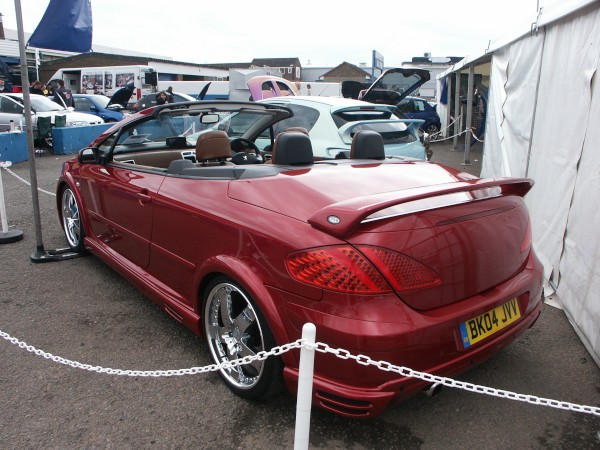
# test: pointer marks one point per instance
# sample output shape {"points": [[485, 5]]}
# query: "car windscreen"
{"points": [[102, 100], [41, 104]]}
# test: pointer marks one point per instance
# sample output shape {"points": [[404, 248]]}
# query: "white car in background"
{"points": [[13, 110], [331, 123]]}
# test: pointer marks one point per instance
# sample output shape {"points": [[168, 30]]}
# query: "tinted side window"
{"points": [[10, 107], [82, 104], [303, 117]]}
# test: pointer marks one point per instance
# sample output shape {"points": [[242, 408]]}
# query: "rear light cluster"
{"points": [[364, 269]]}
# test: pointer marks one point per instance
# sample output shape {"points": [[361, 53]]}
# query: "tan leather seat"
{"points": [[212, 148]]}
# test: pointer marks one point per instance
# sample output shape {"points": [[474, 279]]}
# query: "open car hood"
{"points": [[393, 85]]}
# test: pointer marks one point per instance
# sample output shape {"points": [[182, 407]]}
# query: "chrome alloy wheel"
{"points": [[233, 331], [71, 218]]}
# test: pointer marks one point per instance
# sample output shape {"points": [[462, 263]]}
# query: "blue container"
{"points": [[13, 147], [67, 140]]}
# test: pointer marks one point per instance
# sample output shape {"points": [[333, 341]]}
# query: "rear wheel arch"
{"points": [[240, 273]]}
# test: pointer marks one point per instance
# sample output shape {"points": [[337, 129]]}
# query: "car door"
{"points": [[10, 110], [84, 105], [119, 201]]}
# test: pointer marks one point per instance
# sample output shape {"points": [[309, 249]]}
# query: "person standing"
{"points": [[3, 88], [170, 97], [122, 96], [37, 88], [63, 96], [162, 97]]}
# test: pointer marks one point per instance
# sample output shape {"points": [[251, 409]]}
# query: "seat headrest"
{"points": [[367, 144], [177, 165], [292, 149], [296, 129], [213, 145]]}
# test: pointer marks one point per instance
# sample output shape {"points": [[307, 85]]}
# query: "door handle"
{"points": [[144, 197]]}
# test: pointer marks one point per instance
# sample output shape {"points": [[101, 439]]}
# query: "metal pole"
{"points": [[470, 83], [458, 121], [29, 130], [305, 383], [448, 105], [40, 255]]}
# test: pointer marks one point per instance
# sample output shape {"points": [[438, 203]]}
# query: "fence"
{"points": [[308, 346]]}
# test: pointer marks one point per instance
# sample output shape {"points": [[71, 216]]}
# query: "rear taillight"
{"points": [[365, 269], [402, 272]]}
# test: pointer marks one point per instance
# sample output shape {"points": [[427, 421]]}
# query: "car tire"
{"points": [[71, 220], [234, 327], [432, 129]]}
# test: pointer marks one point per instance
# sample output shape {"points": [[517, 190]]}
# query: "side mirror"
{"points": [[93, 108], [90, 155]]}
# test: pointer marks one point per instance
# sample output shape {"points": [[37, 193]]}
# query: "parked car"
{"points": [[332, 122], [98, 105], [267, 86], [394, 87], [401, 260], [12, 109], [419, 108], [150, 100]]}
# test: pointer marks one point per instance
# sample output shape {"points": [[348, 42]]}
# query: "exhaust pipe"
{"points": [[433, 389]]}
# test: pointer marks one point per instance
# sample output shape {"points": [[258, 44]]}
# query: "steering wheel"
{"points": [[244, 145]]}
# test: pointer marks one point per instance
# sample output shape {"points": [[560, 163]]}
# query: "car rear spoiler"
{"points": [[341, 219]]}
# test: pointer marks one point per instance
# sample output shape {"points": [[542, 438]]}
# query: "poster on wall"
{"points": [[108, 81], [91, 82], [123, 79]]}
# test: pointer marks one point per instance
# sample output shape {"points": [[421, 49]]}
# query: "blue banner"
{"points": [[66, 25]]}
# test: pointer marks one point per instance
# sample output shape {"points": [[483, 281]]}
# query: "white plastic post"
{"points": [[305, 384], [6, 235], [3, 206]]}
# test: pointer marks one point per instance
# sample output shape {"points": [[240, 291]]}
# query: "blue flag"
{"points": [[66, 25]]}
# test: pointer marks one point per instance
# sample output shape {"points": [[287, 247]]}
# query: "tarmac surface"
{"points": [[81, 310]]}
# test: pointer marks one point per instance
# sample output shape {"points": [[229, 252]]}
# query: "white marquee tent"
{"points": [[543, 121]]}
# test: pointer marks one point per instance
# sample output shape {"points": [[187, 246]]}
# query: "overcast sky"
{"points": [[319, 33]]}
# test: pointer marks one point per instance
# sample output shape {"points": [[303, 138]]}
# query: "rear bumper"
{"points": [[356, 402], [427, 342]]}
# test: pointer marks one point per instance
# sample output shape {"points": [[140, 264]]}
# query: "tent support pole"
{"points": [[457, 122], [537, 91], [40, 254], [470, 83]]}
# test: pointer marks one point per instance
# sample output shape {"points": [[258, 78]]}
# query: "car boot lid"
{"points": [[393, 85], [366, 191]]}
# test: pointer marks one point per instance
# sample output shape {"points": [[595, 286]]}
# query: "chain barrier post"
{"points": [[6, 235], [305, 383]]}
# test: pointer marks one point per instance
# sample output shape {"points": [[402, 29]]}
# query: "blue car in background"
{"points": [[419, 108], [97, 105]]}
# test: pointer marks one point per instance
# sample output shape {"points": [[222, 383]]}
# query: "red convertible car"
{"points": [[402, 260]]}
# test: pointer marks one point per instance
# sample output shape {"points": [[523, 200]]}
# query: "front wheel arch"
{"points": [[71, 217]]}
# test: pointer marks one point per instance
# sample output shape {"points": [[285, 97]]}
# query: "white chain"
{"points": [[405, 371], [27, 182], [155, 373], [322, 348]]}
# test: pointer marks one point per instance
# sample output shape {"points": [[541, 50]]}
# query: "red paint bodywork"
{"points": [[170, 235]]}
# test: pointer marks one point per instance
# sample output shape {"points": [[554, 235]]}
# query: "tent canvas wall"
{"points": [[542, 122]]}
